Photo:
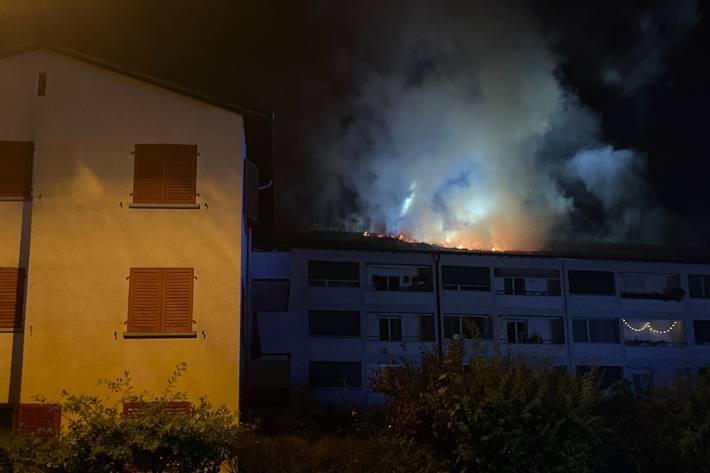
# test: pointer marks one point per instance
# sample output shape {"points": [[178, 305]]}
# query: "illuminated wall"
{"points": [[85, 238]]}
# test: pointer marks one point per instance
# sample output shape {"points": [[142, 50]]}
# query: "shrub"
{"points": [[255, 453], [101, 437], [495, 414]]}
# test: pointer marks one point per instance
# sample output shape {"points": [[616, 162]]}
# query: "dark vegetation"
{"points": [[449, 413]]}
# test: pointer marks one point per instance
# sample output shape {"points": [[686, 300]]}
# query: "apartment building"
{"points": [[121, 233], [325, 309]]}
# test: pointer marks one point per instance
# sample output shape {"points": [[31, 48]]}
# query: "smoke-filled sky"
{"points": [[487, 124]]}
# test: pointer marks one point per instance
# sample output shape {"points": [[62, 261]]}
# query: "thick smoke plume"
{"points": [[458, 131]]}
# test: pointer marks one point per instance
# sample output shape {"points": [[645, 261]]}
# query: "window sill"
{"points": [[159, 335], [163, 206]]}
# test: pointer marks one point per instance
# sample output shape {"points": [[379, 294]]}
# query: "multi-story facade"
{"points": [[325, 311], [121, 232]]}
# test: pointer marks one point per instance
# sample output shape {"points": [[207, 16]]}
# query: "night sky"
{"points": [[638, 66]]}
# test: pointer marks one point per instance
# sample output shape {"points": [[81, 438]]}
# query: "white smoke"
{"points": [[461, 133]]}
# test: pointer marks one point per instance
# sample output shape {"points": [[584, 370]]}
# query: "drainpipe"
{"points": [[439, 324], [569, 329]]}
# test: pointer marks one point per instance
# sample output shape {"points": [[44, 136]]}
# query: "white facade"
{"points": [[643, 326]]}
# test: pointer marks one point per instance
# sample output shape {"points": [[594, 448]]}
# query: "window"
{"points": [[605, 376], [517, 331], [515, 286], [334, 274], [536, 330], [595, 330], [592, 282], [468, 327], [702, 331], [527, 281], [165, 174], [426, 328], [12, 282], [699, 286], [16, 166], [334, 374], [651, 286], [43, 420], [400, 278], [390, 328], [655, 333], [160, 300], [466, 278], [334, 323]]}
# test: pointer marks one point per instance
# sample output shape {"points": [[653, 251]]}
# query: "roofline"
{"points": [[152, 80], [391, 245]]}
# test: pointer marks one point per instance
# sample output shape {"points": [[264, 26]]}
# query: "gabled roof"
{"points": [[147, 78]]}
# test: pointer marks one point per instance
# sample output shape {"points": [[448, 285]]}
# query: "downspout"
{"points": [[569, 329], [439, 323]]}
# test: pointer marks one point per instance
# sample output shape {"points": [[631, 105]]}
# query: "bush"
{"points": [[669, 430], [495, 414], [294, 454], [100, 437]]}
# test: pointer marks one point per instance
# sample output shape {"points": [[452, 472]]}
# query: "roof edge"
{"points": [[143, 77]]}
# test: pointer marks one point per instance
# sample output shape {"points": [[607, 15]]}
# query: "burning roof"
{"points": [[331, 240]]}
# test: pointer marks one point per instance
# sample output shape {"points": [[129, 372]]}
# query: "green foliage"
{"points": [[669, 430], [100, 438], [495, 414], [295, 454]]}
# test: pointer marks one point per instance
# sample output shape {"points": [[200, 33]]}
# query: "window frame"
{"points": [[588, 332], [132, 331], [164, 152], [314, 312], [331, 282], [515, 322], [463, 333], [20, 277], [390, 323], [19, 150]]}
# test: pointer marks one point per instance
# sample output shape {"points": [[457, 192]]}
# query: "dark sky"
{"points": [[287, 57]]}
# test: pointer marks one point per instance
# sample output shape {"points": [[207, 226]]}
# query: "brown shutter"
{"points": [[149, 175], [177, 300], [11, 286], [181, 174], [40, 419], [145, 295], [16, 169], [165, 174]]}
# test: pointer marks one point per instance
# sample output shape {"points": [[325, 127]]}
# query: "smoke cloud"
{"points": [[458, 131]]}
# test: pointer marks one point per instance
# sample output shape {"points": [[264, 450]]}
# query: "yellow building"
{"points": [[121, 232]]}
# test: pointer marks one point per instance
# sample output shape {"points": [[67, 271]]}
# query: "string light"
{"points": [[651, 328]]}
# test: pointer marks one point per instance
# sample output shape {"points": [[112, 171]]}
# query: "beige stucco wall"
{"points": [[85, 238]]}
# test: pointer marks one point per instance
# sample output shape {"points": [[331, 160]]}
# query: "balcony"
{"points": [[651, 292]]}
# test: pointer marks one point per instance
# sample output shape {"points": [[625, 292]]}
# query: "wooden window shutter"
{"points": [[16, 166], [177, 299], [43, 420], [181, 174], [145, 299], [165, 174], [12, 282], [160, 300]]}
